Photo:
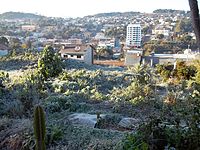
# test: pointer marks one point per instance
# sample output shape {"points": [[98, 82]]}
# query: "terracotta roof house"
{"points": [[3, 50], [78, 52]]}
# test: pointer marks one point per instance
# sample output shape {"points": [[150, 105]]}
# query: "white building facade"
{"points": [[133, 35]]}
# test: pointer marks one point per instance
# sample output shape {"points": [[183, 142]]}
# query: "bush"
{"points": [[49, 64], [29, 90], [177, 125], [132, 142], [140, 89]]}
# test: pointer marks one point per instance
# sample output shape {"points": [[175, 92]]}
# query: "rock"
{"points": [[84, 119], [129, 123], [183, 123]]}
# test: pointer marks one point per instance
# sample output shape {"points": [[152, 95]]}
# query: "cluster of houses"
{"points": [[135, 56], [91, 30]]}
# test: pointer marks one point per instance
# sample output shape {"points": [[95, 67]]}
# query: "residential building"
{"points": [[28, 27], [161, 30], [154, 59], [133, 35], [82, 53]]}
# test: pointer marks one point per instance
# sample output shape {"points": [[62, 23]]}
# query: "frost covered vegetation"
{"points": [[164, 103]]}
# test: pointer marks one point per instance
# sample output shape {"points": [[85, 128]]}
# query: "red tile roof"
{"points": [[78, 49]]}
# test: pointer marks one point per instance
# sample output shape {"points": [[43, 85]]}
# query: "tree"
{"points": [[100, 51], [49, 65], [187, 39], [195, 18], [183, 25], [15, 43], [160, 36], [145, 30]]}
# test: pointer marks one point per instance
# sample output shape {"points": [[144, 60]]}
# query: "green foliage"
{"points": [[141, 88], [178, 124], [54, 134], [115, 31], [131, 93], [133, 142], [4, 77], [19, 15], [182, 71], [49, 64], [39, 128], [10, 107], [29, 90], [57, 104], [183, 26], [197, 77]]}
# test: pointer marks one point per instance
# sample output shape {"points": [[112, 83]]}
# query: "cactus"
{"points": [[39, 128]]}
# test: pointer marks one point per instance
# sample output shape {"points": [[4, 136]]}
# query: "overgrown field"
{"points": [[165, 106]]}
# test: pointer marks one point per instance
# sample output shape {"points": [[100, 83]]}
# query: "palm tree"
{"points": [[195, 19]]}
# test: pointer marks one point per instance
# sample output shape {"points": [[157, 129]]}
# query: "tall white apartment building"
{"points": [[133, 35]]}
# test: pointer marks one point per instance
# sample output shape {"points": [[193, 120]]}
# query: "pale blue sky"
{"points": [[80, 8]]}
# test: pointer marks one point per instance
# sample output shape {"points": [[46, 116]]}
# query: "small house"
{"points": [[82, 53]]}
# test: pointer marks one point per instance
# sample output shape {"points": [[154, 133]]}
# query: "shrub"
{"points": [[57, 103], [132, 142], [140, 89], [182, 71], [178, 124], [49, 64], [28, 90], [54, 134]]}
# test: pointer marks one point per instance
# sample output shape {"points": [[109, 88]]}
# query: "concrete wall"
{"points": [[167, 58], [88, 57], [152, 61], [132, 59]]}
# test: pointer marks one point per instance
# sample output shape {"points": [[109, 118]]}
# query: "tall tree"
{"points": [[49, 64], [195, 19]]}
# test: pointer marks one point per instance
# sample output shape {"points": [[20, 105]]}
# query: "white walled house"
{"points": [[165, 32], [78, 52]]}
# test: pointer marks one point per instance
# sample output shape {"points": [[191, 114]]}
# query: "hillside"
{"points": [[112, 14], [19, 15], [160, 11]]}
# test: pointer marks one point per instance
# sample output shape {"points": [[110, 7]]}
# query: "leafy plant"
{"points": [[49, 64], [133, 142]]}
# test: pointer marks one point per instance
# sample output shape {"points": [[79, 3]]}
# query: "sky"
{"points": [[80, 8]]}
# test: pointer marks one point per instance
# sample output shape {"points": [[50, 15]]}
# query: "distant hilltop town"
{"points": [[163, 33]]}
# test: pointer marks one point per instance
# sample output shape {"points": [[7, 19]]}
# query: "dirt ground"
{"points": [[109, 62]]}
